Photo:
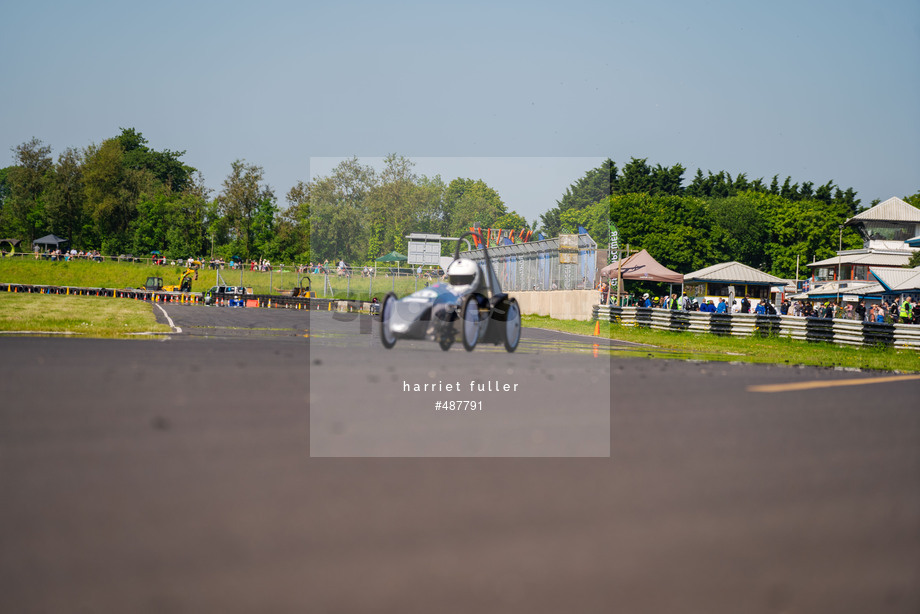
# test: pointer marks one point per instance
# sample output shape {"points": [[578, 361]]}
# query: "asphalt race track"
{"points": [[175, 475]]}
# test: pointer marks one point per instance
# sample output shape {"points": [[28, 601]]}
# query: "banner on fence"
{"points": [[613, 254]]}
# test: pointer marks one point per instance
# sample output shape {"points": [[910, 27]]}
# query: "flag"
{"points": [[477, 239], [614, 243]]}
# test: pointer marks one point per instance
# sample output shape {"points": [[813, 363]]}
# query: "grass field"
{"points": [[108, 274], [363, 288], [772, 350], [78, 315]]}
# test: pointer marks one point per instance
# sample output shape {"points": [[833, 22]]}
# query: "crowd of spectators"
{"points": [[73, 254], [895, 311]]}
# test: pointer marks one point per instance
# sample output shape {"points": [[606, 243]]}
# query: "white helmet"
{"points": [[463, 272]]}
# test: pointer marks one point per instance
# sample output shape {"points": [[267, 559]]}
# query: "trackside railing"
{"points": [[841, 332]]}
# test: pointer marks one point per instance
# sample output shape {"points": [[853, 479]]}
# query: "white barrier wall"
{"points": [[559, 304]]}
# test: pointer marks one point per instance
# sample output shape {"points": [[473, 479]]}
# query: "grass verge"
{"points": [[772, 350], [87, 316], [109, 274]]}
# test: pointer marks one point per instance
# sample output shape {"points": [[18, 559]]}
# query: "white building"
{"points": [[885, 229]]}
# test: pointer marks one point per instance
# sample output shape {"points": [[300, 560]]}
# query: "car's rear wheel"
{"points": [[387, 336], [512, 332], [470, 326]]}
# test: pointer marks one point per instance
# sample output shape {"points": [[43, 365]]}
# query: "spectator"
{"points": [[861, 311], [722, 307], [906, 311], [745, 305]]}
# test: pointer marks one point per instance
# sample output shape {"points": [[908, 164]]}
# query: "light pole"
{"points": [[839, 265]]}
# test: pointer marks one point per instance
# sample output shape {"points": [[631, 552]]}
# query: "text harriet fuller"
{"points": [[439, 386]]}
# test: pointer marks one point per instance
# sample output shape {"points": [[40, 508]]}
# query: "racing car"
{"points": [[471, 304]]}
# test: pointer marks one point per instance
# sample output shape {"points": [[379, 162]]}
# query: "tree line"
{"points": [[121, 197], [770, 225]]}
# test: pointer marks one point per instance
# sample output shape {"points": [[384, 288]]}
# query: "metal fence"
{"points": [[841, 332], [535, 265]]}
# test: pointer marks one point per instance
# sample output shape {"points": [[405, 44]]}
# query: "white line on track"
{"points": [[168, 319]]}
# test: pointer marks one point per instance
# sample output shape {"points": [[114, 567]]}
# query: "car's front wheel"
{"points": [[387, 336]]}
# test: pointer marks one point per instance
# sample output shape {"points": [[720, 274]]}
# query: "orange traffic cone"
{"points": [[597, 328]]}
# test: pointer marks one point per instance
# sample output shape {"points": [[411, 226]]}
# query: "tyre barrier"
{"points": [[132, 293], [840, 332]]}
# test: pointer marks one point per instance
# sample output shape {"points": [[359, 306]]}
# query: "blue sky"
{"points": [[815, 90]]}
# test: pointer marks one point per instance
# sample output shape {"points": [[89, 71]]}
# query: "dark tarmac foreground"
{"points": [[175, 476]]}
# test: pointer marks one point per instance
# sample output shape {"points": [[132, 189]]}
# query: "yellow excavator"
{"points": [[185, 280]]}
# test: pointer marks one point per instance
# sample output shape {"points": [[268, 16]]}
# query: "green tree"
{"points": [[676, 230], [636, 178], [294, 227], [593, 218], [186, 236], [668, 180], [429, 215], [264, 224], [151, 223], [165, 166], [64, 209], [393, 203], [511, 221], [800, 229], [595, 186], [28, 181], [739, 228], [242, 195], [112, 191], [339, 212], [4, 196], [472, 201]]}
